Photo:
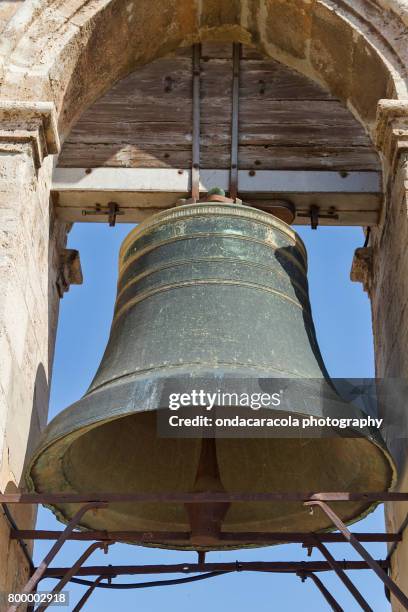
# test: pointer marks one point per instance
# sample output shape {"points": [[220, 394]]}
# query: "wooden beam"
{"points": [[352, 198], [179, 181]]}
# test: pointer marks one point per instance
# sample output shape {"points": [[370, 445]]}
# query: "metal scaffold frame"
{"points": [[203, 570]]}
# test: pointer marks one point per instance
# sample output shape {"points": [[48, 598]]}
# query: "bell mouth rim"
{"points": [[366, 509], [63, 515], [179, 212], [60, 513]]}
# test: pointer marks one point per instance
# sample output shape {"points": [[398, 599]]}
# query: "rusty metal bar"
{"points": [[14, 528], [195, 165], [236, 59], [42, 568], [111, 571], [343, 577], [372, 563], [72, 571], [333, 603], [242, 537], [87, 595], [190, 498]]}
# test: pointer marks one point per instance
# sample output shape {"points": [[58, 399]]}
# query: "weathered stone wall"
{"points": [[389, 299], [30, 243], [7, 10], [382, 268]]}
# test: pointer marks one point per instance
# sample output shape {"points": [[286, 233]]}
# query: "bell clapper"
{"points": [[201, 557], [206, 518]]}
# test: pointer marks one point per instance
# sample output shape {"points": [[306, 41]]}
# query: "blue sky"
{"points": [[342, 317]]}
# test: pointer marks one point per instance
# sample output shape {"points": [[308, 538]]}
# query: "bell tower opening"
{"points": [[223, 119]]}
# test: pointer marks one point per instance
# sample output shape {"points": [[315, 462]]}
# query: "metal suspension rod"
{"points": [[195, 165], [372, 563], [236, 57]]}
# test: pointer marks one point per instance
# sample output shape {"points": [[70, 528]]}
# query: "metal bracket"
{"points": [[195, 167], [236, 60], [315, 215], [112, 211]]}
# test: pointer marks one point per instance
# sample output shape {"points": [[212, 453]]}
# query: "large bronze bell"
{"points": [[203, 289]]}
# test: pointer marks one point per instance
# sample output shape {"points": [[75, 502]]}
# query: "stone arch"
{"points": [[71, 52]]}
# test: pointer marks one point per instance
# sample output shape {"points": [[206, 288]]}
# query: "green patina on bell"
{"points": [[207, 290]]}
